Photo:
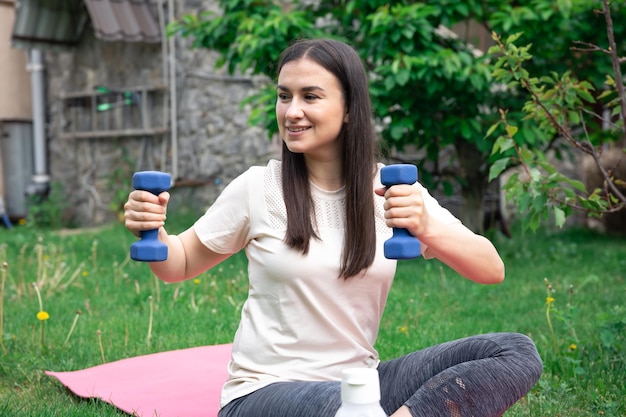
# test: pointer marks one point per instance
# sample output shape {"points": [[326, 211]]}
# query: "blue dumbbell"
{"points": [[150, 248], [402, 245]]}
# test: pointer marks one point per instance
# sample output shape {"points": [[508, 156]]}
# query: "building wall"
{"points": [[15, 94], [15, 97]]}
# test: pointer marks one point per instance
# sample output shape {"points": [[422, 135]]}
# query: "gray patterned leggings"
{"points": [[478, 376]]}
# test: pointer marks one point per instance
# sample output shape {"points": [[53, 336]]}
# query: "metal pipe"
{"points": [[41, 179], [164, 74], [173, 94]]}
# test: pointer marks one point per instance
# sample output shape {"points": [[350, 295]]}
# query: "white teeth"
{"points": [[300, 129]]}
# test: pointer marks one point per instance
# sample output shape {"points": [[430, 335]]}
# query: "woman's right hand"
{"points": [[145, 211]]}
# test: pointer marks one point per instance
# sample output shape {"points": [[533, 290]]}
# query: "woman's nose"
{"points": [[294, 110]]}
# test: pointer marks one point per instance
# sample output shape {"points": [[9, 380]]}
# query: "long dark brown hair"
{"points": [[358, 159]]}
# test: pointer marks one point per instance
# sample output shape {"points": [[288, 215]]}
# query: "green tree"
{"points": [[430, 87], [580, 106]]}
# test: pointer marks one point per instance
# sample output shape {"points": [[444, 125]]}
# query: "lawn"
{"points": [[565, 289]]}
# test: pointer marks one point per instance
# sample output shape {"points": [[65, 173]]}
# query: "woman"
{"points": [[313, 227]]}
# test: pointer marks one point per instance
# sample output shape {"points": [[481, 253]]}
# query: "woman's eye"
{"points": [[310, 97], [283, 96]]}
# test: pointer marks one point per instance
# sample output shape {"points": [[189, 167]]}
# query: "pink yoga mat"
{"points": [[178, 383]]}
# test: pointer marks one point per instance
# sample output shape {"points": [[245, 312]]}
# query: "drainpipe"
{"points": [[168, 56], [41, 179], [173, 94], [164, 74]]}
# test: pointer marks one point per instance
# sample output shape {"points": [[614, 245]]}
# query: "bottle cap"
{"points": [[360, 386]]}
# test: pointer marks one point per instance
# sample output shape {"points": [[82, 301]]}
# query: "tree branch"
{"points": [[610, 184], [565, 132], [615, 60], [589, 47]]}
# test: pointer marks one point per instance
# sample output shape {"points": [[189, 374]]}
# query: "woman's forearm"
{"points": [[187, 257], [471, 255]]}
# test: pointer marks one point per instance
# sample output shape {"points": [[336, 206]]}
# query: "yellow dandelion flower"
{"points": [[85, 273], [404, 329], [21, 222], [573, 346], [196, 281], [549, 300], [43, 315]]}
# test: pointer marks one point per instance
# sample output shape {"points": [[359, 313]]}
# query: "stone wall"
{"points": [[214, 141]]}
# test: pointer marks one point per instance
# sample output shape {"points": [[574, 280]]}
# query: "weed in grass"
{"points": [[563, 356], [94, 255], [72, 327], [42, 316], [99, 335], [21, 268], [41, 270], [46, 211], [3, 278], [157, 288], [149, 336], [577, 365]]}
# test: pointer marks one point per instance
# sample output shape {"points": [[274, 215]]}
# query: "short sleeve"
{"points": [[225, 226], [435, 209]]}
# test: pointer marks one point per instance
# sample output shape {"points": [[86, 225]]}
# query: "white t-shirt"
{"points": [[300, 321]]}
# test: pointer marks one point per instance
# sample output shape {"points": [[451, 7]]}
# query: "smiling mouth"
{"points": [[297, 129]]}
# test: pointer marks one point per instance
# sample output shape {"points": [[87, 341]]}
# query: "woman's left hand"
{"points": [[404, 208]]}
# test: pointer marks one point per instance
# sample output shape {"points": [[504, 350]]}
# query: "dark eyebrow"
{"points": [[305, 89]]}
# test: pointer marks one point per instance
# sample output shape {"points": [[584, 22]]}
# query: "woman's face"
{"points": [[310, 109]]}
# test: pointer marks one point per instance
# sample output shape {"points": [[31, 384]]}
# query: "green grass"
{"points": [[90, 272]]}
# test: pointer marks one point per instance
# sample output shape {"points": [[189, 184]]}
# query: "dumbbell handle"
{"points": [[402, 245], [149, 248]]}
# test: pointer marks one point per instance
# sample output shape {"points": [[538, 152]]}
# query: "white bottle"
{"points": [[360, 394]]}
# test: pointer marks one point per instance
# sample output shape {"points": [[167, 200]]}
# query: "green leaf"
{"points": [[403, 76], [492, 129], [534, 222], [497, 168], [513, 38], [466, 131], [395, 65], [511, 130], [397, 131], [585, 95], [605, 94], [579, 185], [502, 144], [559, 217], [574, 117], [526, 155], [390, 83]]}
